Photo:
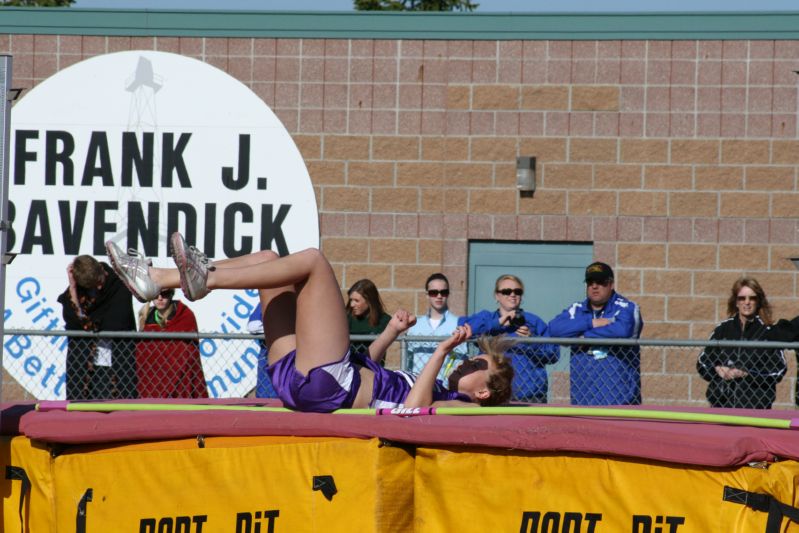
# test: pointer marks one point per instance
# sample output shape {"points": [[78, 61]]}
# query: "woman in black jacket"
{"points": [[740, 376]]}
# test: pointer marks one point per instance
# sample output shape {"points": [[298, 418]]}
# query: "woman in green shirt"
{"points": [[365, 313]]}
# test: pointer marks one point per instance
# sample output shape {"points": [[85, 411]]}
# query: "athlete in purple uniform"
{"points": [[307, 336]]}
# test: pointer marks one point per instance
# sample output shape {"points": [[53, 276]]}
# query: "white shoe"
{"points": [[193, 266], [133, 269]]}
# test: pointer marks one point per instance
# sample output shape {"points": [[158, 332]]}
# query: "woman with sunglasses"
{"points": [[529, 360], [737, 376], [169, 368], [310, 362], [439, 321]]}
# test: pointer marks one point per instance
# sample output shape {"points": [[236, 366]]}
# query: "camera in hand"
{"points": [[518, 319]]}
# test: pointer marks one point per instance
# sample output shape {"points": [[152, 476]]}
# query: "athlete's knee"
{"points": [[313, 255], [266, 255]]}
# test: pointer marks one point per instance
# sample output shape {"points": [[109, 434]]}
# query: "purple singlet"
{"points": [[335, 385]]}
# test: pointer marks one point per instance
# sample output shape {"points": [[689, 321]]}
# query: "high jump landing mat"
{"points": [[249, 466]]}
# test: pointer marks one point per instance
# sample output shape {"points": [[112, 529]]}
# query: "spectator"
{"points": [[97, 300], [438, 322], [602, 375], [738, 376], [263, 385], [365, 313], [529, 360], [169, 368]]}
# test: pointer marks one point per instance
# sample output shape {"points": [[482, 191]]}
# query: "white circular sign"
{"points": [[130, 147]]}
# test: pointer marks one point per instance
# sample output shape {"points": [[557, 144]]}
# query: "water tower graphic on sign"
{"points": [[143, 87]]}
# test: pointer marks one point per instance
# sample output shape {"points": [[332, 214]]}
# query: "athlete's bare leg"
{"points": [[301, 299], [169, 278], [320, 324], [301, 302]]}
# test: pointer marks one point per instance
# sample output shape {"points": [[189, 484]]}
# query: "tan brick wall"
{"points": [[409, 163]]}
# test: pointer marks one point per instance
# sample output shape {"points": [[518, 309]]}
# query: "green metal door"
{"points": [[552, 274]]}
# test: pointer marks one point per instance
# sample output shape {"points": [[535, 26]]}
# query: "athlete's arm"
{"points": [[421, 394], [399, 323]]}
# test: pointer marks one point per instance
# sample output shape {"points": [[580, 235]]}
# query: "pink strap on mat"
{"points": [[407, 411], [52, 405]]}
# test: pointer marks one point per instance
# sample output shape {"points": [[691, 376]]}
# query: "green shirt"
{"points": [[361, 326]]}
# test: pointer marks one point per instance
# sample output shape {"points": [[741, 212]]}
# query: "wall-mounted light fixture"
{"points": [[525, 176]]}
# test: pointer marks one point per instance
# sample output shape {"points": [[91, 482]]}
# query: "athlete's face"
{"points": [[358, 304], [471, 377]]}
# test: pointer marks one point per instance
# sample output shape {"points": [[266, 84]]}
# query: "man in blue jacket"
{"points": [[602, 375]]}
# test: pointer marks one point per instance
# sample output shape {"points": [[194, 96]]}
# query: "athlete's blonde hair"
{"points": [[500, 379]]}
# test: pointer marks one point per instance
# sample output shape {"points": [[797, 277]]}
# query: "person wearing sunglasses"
{"points": [[97, 300], [739, 376], [310, 362], [439, 321], [602, 375], [169, 368], [530, 382]]}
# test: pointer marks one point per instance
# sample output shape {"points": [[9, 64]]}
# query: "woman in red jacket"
{"points": [[169, 368]]}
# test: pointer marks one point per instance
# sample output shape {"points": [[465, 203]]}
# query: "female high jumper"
{"points": [[307, 336]]}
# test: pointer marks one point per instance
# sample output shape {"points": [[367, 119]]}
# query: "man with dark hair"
{"points": [[97, 300], [602, 375], [437, 322]]}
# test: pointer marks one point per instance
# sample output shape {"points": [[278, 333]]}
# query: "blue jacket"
{"points": [[603, 375], [529, 360]]}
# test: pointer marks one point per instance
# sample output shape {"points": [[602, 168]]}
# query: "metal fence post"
{"points": [[5, 140], [404, 354]]}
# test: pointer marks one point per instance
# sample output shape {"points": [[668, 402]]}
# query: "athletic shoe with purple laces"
{"points": [[133, 269], [193, 266]]}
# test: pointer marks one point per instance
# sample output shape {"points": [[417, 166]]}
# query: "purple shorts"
{"points": [[325, 388]]}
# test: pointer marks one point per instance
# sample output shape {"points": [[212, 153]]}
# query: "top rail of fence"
{"points": [[681, 343]]}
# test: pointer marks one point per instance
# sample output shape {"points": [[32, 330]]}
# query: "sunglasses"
{"points": [[432, 293], [166, 295], [473, 365], [508, 292], [747, 298], [604, 283]]}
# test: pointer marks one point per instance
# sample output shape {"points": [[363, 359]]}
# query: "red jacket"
{"points": [[170, 368]]}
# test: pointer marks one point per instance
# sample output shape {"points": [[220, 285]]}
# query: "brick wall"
{"points": [[677, 159]]}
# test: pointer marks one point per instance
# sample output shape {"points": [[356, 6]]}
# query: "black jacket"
{"points": [[765, 367], [109, 309], [787, 331]]}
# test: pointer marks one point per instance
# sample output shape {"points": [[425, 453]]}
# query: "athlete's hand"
{"points": [[401, 321], [459, 336]]}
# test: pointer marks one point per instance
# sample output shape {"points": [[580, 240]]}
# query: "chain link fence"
{"points": [[87, 366]]}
